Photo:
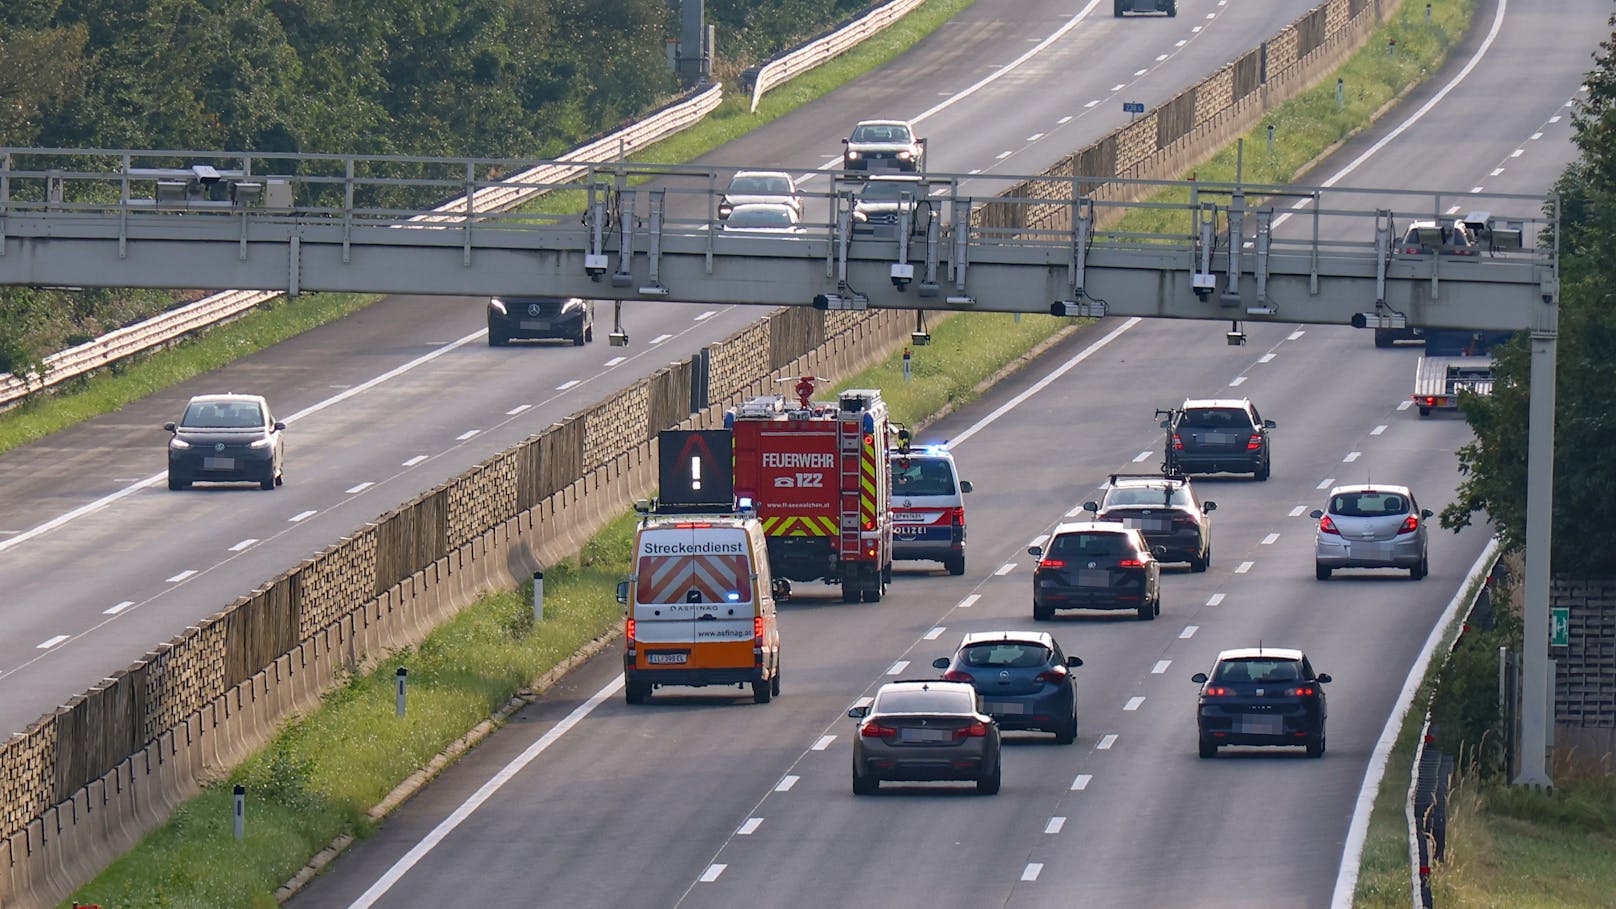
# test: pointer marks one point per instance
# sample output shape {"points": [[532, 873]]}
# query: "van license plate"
{"points": [[667, 657]]}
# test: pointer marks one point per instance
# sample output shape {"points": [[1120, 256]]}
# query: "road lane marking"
{"points": [[1536, 136], [415, 460], [1119, 86], [1269, 540], [467, 434], [120, 607], [966, 603], [1106, 742], [187, 573], [750, 827], [1064, 120], [354, 490], [1296, 335], [614, 361], [1238, 380], [1076, 510], [1092, 103], [706, 315], [935, 633], [1351, 456], [1160, 667], [1496, 172], [823, 743], [1266, 358], [1188, 632], [1030, 873], [568, 384], [301, 516], [786, 782], [1035, 137], [1405, 405], [1134, 703], [1054, 825], [1081, 782], [712, 872], [1243, 567], [52, 642], [1039, 540], [1478, 189], [243, 544], [518, 409], [1143, 456], [1325, 483], [1005, 569], [1160, 57], [1297, 511], [1140, 72], [898, 667], [1378, 429], [1214, 599], [660, 338]]}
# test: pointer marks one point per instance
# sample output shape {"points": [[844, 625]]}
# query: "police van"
{"points": [[699, 606], [928, 505]]}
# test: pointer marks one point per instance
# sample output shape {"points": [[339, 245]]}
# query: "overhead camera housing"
{"points": [[617, 339], [920, 338], [1234, 338], [595, 265], [902, 274]]}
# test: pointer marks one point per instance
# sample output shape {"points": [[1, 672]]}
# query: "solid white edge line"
{"points": [[394, 874], [1346, 880]]}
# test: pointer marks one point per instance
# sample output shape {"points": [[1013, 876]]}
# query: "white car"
{"points": [[883, 145], [762, 218], [753, 186]]}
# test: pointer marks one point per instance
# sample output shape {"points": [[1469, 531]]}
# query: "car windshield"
{"points": [[1089, 545], [1430, 236], [1005, 655], [890, 190], [1257, 670], [934, 700], [880, 133], [922, 477], [1215, 418], [1368, 504], [760, 186], [223, 415], [1148, 495], [760, 217]]}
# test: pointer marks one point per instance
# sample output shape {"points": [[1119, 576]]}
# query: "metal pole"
{"points": [[241, 811], [402, 675], [1535, 678], [538, 597]]}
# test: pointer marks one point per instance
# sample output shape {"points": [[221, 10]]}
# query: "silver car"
{"points": [[930, 730], [750, 186], [1371, 526]]}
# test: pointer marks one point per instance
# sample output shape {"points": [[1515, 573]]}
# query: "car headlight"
{"points": [[178, 442], [905, 155], [497, 305], [724, 208], [259, 443], [852, 155]]}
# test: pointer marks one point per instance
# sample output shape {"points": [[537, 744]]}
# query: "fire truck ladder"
{"points": [[851, 471]]}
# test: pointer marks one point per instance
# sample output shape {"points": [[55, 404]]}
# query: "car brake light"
{"points": [[1254, 443], [1328, 526], [689, 526], [628, 630], [1053, 674], [1218, 692], [955, 675], [874, 730], [973, 730], [1052, 563], [1183, 521], [1410, 524], [956, 517], [757, 627], [1301, 691], [1178, 444], [1130, 563]]}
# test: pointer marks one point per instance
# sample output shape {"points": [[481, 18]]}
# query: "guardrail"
{"points": [[822, 50], [166, 327]]}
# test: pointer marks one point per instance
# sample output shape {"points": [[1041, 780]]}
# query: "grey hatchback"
{"points": [[1371, 526], [1023, 677], [923, 731]]}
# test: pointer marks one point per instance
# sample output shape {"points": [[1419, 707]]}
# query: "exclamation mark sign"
{"points": [[695, 473]]}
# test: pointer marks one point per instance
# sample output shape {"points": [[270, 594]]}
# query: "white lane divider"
{"points": [[1352, 456], [52, 642], [1325, 483], [1143, 456], [1030, 873], [1081, 782], [1243, 567], [355, 490], [517, 409], [415, 460], [1006, 568], [786, 782], [1188, 632], [117, 608], [1160, 57], [569, 384], [1296, 335], [1297, 511], [301, 516], [966, 603], [1035, 137], [1405, 404], [1002, 155], [1039, 540], [1119, 86], [1054, 825], [750, 827], [706, 315], [1269, 540], [1140, 72], [189, 572], [1214, 599], [1106, 742], [660, 338], [1266, 358], [1238, 380], [467, 434], [1075, 510], [1378, 429], [1134, 703], [823, 743], [615, 361], [243, 544], [935, 633], [898, 667], [1093, 103], [1065, 120], [712, 872], [1160, 667]]}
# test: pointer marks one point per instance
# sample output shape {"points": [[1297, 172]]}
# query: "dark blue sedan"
{"points": [[1023, 678]]}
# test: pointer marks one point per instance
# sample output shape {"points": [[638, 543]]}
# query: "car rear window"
{"points": [[1216, 418], [1368, 504], [922, 477], [1257, 670], [224, 415], [1146, 495], [1005, 655], [933, 700], [1089, 545]]}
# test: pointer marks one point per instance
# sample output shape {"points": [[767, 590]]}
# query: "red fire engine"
{"points": [[819, 475]]}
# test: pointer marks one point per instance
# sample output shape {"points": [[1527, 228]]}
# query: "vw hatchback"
{"points": [[1096, 565], [226, 438], [1261, 696]]}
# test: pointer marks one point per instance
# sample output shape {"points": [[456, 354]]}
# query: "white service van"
{"points": [[928, 507]]}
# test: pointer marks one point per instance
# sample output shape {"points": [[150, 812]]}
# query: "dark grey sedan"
{"points": [[924, 731], [226, 438]]}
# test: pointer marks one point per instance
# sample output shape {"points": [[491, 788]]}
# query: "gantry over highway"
{"points": [[956, 242]]}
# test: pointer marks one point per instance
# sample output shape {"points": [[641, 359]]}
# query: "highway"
{"points": [[701, 800], [100, 562]]}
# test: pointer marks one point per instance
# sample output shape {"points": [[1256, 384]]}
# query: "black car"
{"points": [[1096, 565], [226, 438], [921, 731], [1261, 696], [1217, 436], [1023, 677], [1166, 509], [557, 318]]}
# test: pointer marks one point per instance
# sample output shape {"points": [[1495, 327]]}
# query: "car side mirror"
{"points": [[859, 712], [1208, 507], [1425, 513], [940, 663], [1092, 506], [1074, 662], [1315, 513], [622, 592], [170, 426], [1322, 678], [1036, 552], [965, 486], [279, 425], [1199, 677], [844, 141], [1270, 424]]}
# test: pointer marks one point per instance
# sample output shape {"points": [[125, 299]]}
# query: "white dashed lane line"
{"points": [[415, 460], [1404, 405], [1031, 872], [1093, 103], [750, 827], [1076, 510], [1119, 86], [521, 407], [898, 667], [706, 315], [1378, 429], [935, 633], [52, 642], [1297, 511], [614, 361], [712, 873], [301, 516], [660, 338], [1296, 335], [1352, 456], [1035, 137], [1142, 456], [187, 573], [1106, 741], [1243, 567], [1188, 632], [355, 490], [243, 544], [1266, 358], [1039, 540], [1238, 380], [117, 608], [1214, 599], [1054, 825], [467, 434], [1081, 782], [1160, 667], [786, 782], [1134, 703], [568, 384], [1269, 540], [966, 603], [1325, 483], [1064, 120], [823, 743], [1006, 568]]}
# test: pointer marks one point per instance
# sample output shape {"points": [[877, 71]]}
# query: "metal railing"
{"points": [[820, 51]]}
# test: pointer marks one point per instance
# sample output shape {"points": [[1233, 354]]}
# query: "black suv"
{"points": [[1165, 509], [1261, 696], [1217, 435], [1095, 565], [561, 318]]}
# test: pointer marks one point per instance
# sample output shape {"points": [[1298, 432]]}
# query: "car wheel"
{"points": [[1315, 746], [774, 683], [1261, 472], [1383, 338], [589, 334], [174, 483], [1320, 572], [850, 588], [1066, 733], [1419, 571], [1116, 8], [1209, 748], [268, 483], [637, 692], [1149, 609], [989, 785], [1172, 10], [865, 786], [760, 692], [1425, 411], [955, 565], [495, 339], [1042, 613], [1201, 563]]}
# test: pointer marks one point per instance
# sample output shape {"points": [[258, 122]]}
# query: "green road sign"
{"points": [[1559, 626]]}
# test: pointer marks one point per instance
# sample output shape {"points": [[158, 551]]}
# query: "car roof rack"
{"points": [[1167, 477]]}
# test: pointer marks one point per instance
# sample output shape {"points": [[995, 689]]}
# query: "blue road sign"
{"points": [[1133, 107]]}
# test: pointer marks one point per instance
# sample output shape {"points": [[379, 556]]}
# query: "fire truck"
{"points": [[818, 475]]}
